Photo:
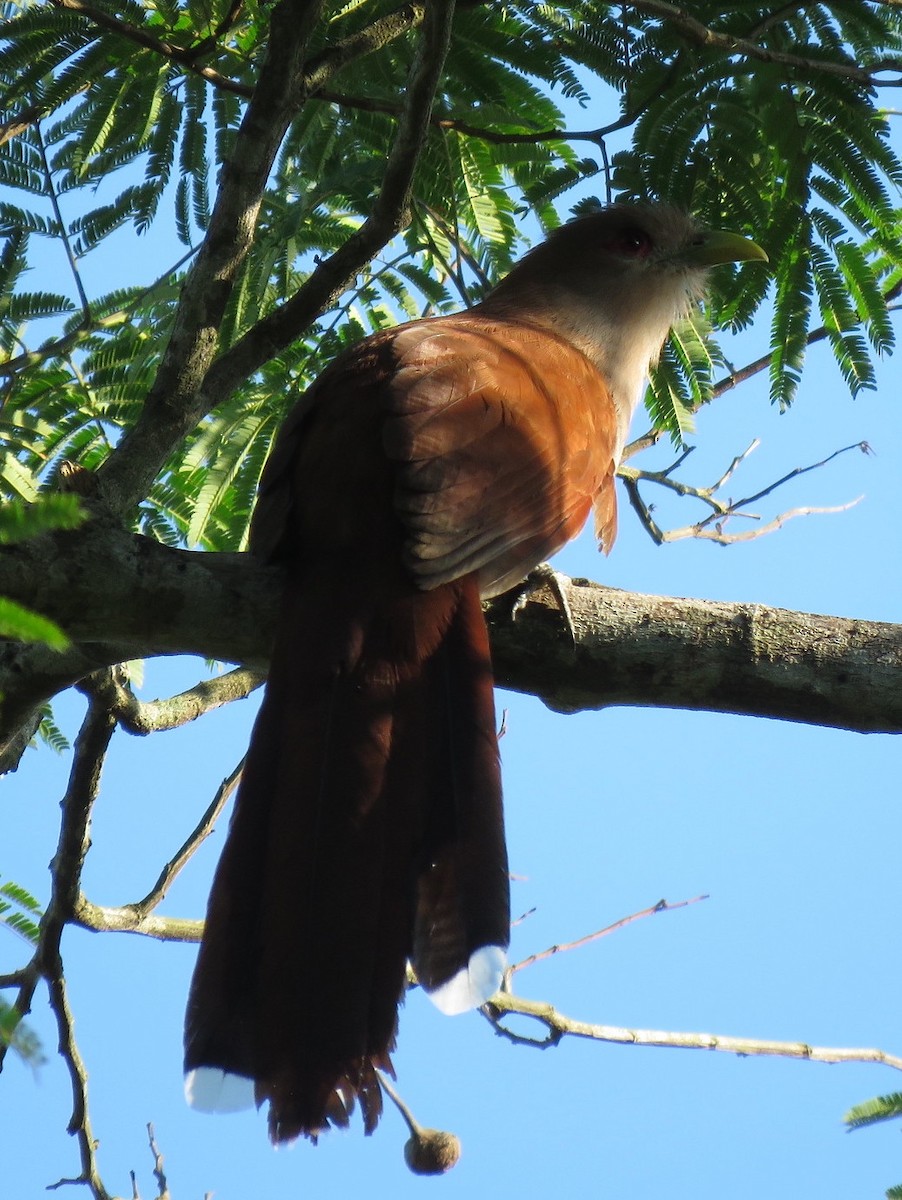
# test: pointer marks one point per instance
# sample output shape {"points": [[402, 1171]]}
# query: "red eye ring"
{"points": [[631, 243]]}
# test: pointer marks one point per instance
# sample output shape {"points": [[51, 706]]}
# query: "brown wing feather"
{"points": [[504, 438]]}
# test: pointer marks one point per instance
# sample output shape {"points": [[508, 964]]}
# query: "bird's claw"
{"points": [[545, 576]]}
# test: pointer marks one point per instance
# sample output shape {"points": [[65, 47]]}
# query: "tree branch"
{"points": [[712, 527], [563, 947], [558, 1026], [138, 917], [624, 648], [530, 137], [699, 34], [84, 781], [143, 717], [334, 274], [171, 408]]}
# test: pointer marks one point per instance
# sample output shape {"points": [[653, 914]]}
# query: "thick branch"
{"points": [[701, 655], [187, 590], [334, 274], [170, 409], [625, 648]]}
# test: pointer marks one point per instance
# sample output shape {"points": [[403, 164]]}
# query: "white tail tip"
{"points": [[210, 1089], [473, 984]]}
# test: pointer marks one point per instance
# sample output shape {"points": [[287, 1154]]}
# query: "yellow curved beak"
{"points": [[715, 246]]}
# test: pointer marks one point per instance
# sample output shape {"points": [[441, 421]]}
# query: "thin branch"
{"points": [[457, 125], [558, 1026], [186, 58], [192, 843], [14, 979], [735, 464], [320, 68], [158, 1172], [80, 1122], [728, 539], [562, 947], [20, 122], [751, 369], [143, 717], [101, 918], [332, 275], [64, 234], [699, 34], [84, 781], [796, 471], [711, 527], [136, 917]]}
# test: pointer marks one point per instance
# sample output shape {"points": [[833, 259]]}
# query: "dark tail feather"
{"points": [[463, 914], [367, 830]]}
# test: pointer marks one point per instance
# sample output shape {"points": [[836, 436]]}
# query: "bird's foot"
{"points": [[545, 576]]}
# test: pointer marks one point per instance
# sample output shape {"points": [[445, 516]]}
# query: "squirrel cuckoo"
{"points": [[430, 466]]}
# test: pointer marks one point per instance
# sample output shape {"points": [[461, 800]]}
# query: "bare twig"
{"points": [[158, 1172], [558, 1026], [84, 782], [795, 472], [560, 948], [136, 917], [711, 527]]}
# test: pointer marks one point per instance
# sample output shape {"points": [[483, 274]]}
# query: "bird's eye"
{"points": [[632, 243]]}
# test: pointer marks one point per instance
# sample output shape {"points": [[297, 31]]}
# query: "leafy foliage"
{"points": [[117, 126], [19, 911], [871, 1112], [20, 520], [19, 1036]]}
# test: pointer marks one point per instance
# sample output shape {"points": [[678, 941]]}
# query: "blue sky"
{"points": [[794, 832]]}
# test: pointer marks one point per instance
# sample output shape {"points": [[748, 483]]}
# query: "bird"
{"points": [[431, 466]]}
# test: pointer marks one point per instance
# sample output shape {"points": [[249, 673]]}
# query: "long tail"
{"points": [[367, 832]]}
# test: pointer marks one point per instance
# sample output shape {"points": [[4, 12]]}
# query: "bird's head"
{"points": [[626, 252], [613, 284]]}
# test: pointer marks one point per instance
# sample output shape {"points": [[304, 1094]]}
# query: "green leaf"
{"points": [[20, 520], [50, 733], [19, 1036], [22, 625], [20, 911], [881, 1108]]}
